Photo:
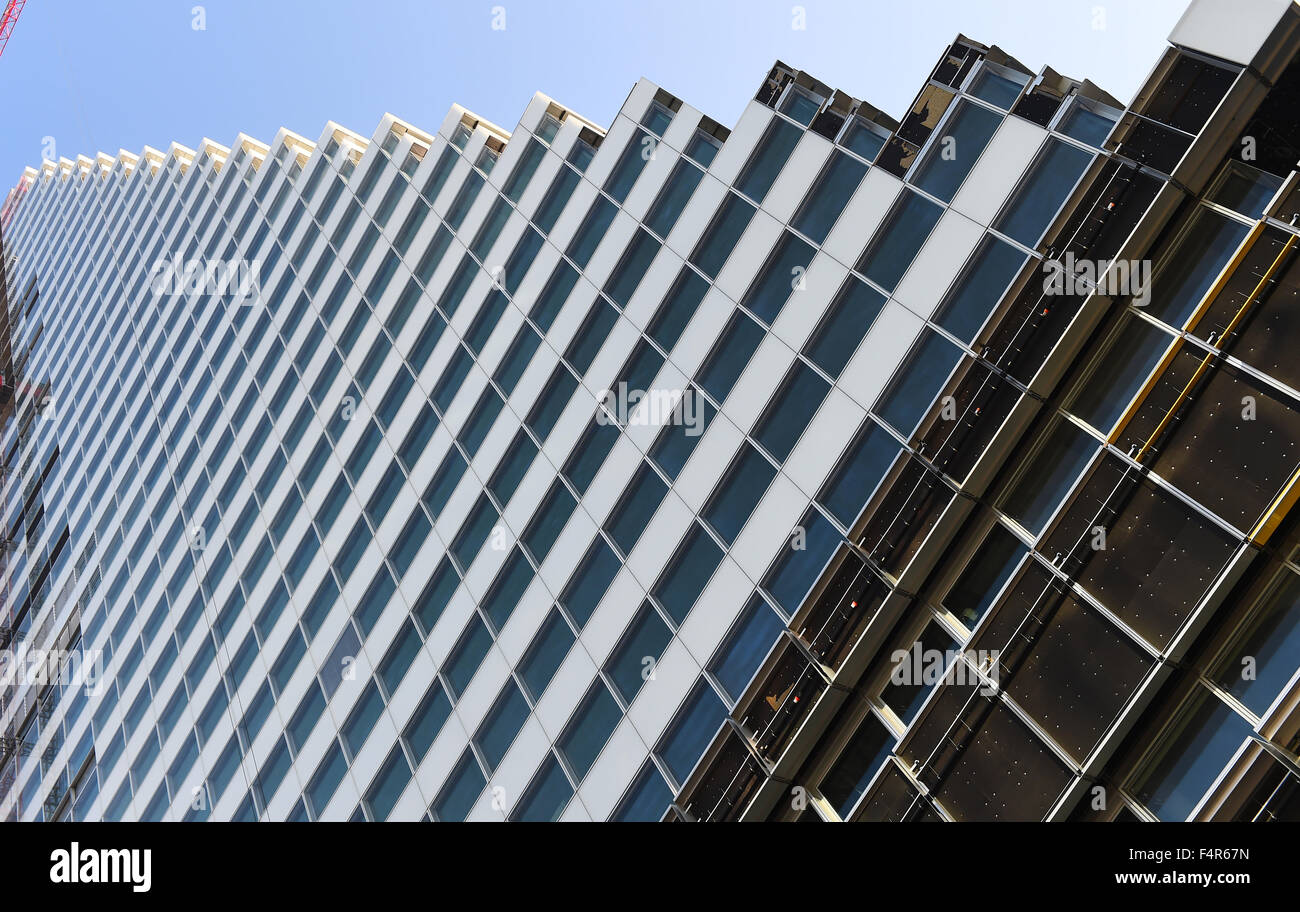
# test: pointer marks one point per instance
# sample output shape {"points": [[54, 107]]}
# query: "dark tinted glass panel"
{"points": [[768, 158], [828, 196], [1042, 193], [898, 240], [918, 381], [850, 315], [989, 272], [782, 274]]}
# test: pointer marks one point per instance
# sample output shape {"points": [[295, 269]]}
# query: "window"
{"points": [[738, 493], [730, 354], [722, 235], [918, 381], [1271, 638], [768, 158], [829, 195], [591, 232], [987, 572], [677, 441], [549, 521], [485, 321], [591, 726], [480, 421], [444, 482], [550, 404], [467, 655], [746, 646], [478, 525], [646, 800], [435, 596], [590, 581], [863, 138], [1043, 191], [438, 176], [636, 508], [640, 149], [703, 148], [548, 127], [580, 154], [988, 274], [1186, 273], [589, 454], [858, 473], [521, 259], [388, 784], [908, 688], [546, 796], [899, 239], [553, 296], [781, 275], [688, 573], [680, 304], [556, 198], [796, 569], [516, 359], [954, 151], [1194, 751], [1088, 122], [512, 468], [487, 159], [800, 104], [641, 646], [1046, 477], [502, 724], [525, 168], [508, 588], [490, 230], [362, 719], [427, 721], [847, 780], [657, 118], [854, 308], [464, 199], [691, 731], [545, 654], [462, 789], [999, 87], [788, 414], [632, 266], [672, 199]]}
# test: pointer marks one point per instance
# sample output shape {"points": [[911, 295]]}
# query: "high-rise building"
{"points": [[826, 467]]}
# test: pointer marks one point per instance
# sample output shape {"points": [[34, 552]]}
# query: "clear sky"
{"points": [[82, 77]]}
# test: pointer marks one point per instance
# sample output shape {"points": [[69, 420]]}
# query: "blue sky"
{"points": [[105, 76]]}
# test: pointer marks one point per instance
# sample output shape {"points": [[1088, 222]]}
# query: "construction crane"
{"points": [[8, 19]]}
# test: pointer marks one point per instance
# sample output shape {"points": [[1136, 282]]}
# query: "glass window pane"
{"points": [[547, 795], [730, 354], [956, 149], [591, 726], [917, 383], [473, 645], [678, 306], [797, 569], [780, 276], [845, 782], [829, 195], [738, 493], [549, 521], [590, 581], [1196, 748], [990, 270], [688, 573], [641, 646], [635, 509], [747, 645], [462, 789], [721, 236], [898, 239], [545, 654], [1048, 476], [854, 309], [647, 799], [790, 411], [768, 158], [988, 571], [691, 731], [672, 199], [503, 722], [1043, 191], [859, 471]]}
